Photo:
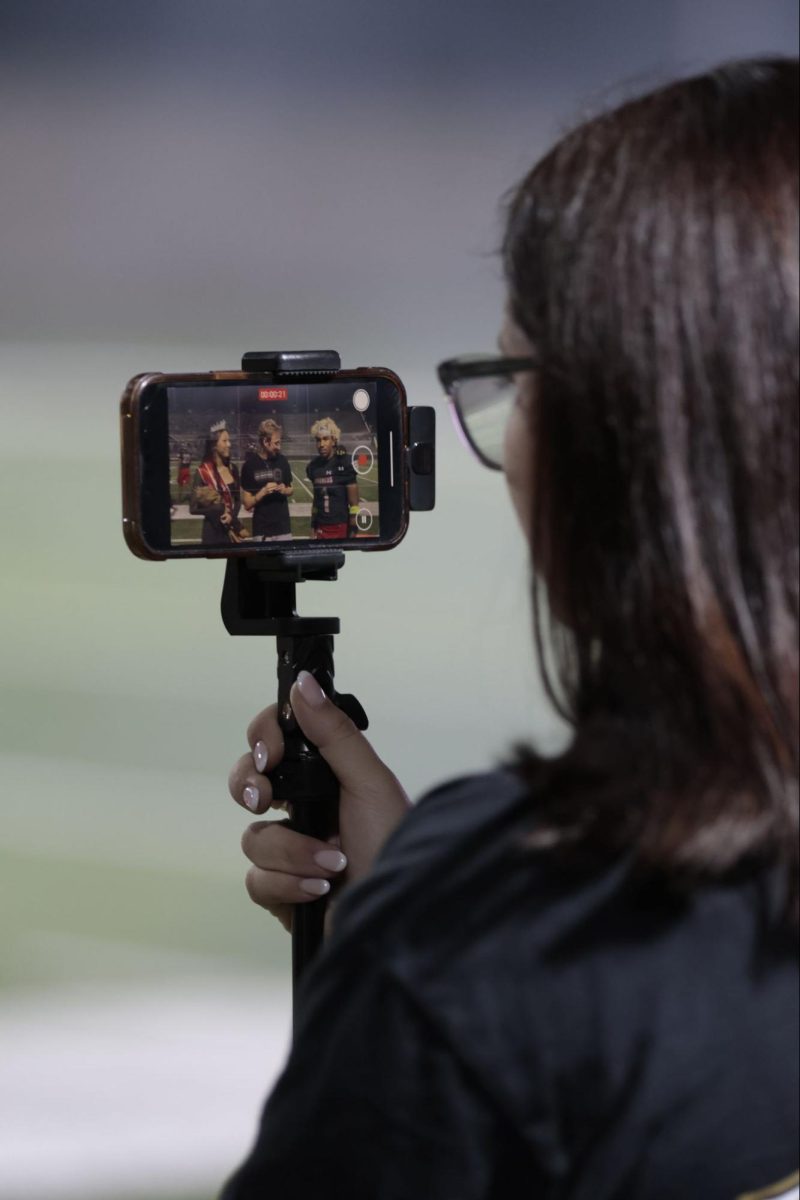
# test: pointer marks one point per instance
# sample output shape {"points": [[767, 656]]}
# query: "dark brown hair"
{"points": [[652, 262], [211, 443]]}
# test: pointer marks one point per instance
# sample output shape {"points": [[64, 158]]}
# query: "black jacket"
{"points": [[484, 1024]]}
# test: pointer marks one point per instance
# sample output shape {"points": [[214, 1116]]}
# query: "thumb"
{"points": [[372, 799], [347, 752]]}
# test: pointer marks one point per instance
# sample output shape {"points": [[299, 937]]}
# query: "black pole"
{"points": [[305, 780], [258, 598]]}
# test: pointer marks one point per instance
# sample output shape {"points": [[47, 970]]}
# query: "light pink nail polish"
{"points": [[251, 797], [315, 887], [260, 757], [310, 690], [330, 860]]}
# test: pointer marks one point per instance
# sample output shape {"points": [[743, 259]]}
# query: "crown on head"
{"points": [[218, 427]]}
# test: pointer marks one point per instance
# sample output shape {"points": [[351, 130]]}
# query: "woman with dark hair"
{"points": [[216, 492], [577, 977]]}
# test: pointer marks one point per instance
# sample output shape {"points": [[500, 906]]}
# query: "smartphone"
{"points": [[240, 462]]}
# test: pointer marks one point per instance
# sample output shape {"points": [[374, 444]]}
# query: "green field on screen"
{"points": [[186, 530], [367, 483]]}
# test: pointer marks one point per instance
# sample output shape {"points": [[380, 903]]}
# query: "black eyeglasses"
{"points": [[482, 391]]}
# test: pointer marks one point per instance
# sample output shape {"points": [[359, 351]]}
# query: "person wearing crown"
{"points": [[216, 492]]}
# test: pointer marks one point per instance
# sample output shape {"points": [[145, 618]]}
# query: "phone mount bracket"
{"points": [[292, 362]]}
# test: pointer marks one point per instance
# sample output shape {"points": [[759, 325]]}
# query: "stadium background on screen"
{"points": [[193, 410]]}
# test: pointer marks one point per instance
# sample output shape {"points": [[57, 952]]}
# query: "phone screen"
{"points": [[273, 462]]}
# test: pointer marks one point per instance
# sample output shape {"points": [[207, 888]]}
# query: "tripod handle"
{"points": [[312, 790], [304, 779]]}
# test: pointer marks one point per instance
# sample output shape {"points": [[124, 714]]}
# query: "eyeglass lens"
{"points": [[486, 403]]}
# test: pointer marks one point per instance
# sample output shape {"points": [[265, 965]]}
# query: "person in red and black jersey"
{"points": [[335, 506]]}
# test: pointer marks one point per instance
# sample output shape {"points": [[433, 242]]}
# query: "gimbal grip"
{"points": [[303, 779]]}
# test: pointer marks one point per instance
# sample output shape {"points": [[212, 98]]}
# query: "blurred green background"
{"points": [[137, 977], [184, 181]]}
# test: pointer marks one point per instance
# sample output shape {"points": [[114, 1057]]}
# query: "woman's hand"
{"points": [[288, 867]]}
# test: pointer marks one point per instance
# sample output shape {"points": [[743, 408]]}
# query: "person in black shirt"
{"points": [[267, 485], [577, 977], [335, 506]]}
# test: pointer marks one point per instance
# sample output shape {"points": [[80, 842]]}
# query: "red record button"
{"points": [[362, 459]]}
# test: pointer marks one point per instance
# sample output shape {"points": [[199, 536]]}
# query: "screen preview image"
{"points": [[274, 462]]}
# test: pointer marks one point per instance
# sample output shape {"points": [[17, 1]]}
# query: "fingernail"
{"points": [[310, 690], [251, 797], [330, 860], [315, 887], [260, 757]]}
